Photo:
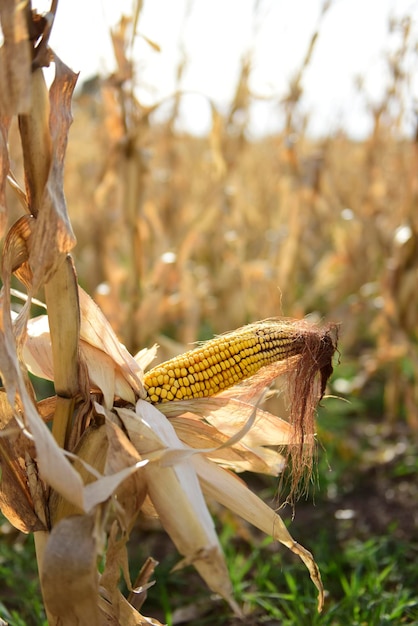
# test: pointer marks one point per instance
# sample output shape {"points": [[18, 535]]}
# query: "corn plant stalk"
{"points": [[61, 293], [61, 288], [42, 148]]}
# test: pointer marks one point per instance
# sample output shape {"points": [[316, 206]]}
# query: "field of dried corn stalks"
{"points": [[178, 238]]}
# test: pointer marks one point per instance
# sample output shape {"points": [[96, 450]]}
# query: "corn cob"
{"points": [[222, 362]]}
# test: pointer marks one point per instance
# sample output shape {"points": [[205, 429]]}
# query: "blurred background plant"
{"points": [[180, 237]]}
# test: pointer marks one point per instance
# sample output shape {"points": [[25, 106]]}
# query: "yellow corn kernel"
{"points": [[223, 361]]}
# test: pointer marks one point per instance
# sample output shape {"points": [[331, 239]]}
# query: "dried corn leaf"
{"points": [[53, 236], [123, 613], [146, 356], [96, 330], [239, 457], [15, 498], [116, 561], [234, 494], [175, 488], [113, 372], [229, 415], [103, 488], [131, 493], [53, 465], [106, 375], [69, 577]]}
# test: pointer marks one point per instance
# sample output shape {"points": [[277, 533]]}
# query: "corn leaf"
{"points": [[234, 494]]}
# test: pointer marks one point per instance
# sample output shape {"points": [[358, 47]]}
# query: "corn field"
{"points": [[123, 243]]}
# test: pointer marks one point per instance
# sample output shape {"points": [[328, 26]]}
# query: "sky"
{"points": [[215, 34]]}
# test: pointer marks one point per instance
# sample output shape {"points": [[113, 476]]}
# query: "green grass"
{"points": [[368, 583], [20, 597]]}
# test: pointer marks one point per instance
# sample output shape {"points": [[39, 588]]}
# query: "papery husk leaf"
{"points": [[103, 372], [103, 488], [111, 368], [69, 575], [197, 434], [96, 330], [225, 488], [37, 352], [146, 356], [176, 489], [99, 490], [229, 415]]}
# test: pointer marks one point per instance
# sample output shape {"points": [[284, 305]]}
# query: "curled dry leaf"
{"points": [[124, 613], [16, 501], [36, 141], [239, 457], [53, 236], [116, 561], [112, 602], [229, 415], [96, 331]]}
